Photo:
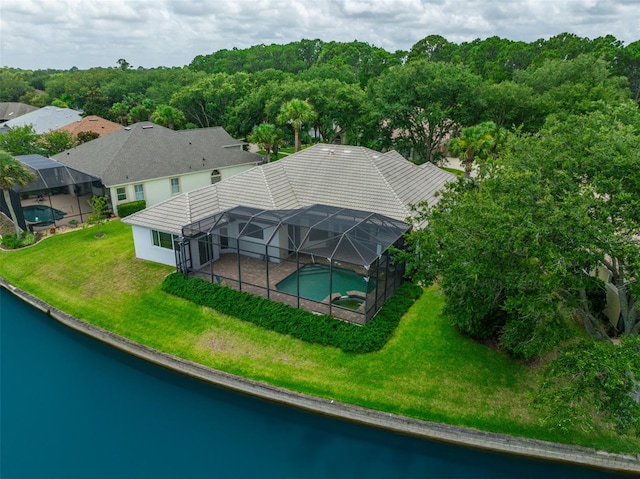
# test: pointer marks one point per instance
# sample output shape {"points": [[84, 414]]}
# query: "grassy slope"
{"points": [[427, 370]]}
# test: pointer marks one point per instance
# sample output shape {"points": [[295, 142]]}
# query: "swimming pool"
{"points": [[41, 214], [314, 282]]}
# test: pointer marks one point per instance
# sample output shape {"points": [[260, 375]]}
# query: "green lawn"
{"points": [[426, 370]]}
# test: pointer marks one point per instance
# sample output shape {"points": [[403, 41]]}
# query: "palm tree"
{"points": [[295, 113], [12, 174], [166, 115], [474, 141], [268, 137]]}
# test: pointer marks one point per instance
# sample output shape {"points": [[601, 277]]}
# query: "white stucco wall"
{"points": [[159, 189], [145, 249]]}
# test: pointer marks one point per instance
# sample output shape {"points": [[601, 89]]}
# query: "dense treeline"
{"points": [[412, 101]]}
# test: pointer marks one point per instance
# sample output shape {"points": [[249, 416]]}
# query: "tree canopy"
{"points": [[13, 174], [517, 251]]}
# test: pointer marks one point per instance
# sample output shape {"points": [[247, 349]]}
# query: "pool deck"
{"points": [[254, 280], [502, 443], [76, 208]]}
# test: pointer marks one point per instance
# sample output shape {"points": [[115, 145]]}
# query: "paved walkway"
{"points": [[428, 430]]}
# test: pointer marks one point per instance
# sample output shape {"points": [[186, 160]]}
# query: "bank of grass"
{"points": [[426, 370]]}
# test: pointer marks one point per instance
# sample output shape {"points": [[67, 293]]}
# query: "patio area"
{"points": [[75, 207], [251, 278]]}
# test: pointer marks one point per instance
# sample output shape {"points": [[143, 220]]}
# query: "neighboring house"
{"points": [[152, 163], [44, 119], [94, 124], [335, 206], [12, 110]]}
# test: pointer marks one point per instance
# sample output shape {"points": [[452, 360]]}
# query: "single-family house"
{"points": [[329, 211], [149, 162], [93, 124], [44, 119], [10, 110]]}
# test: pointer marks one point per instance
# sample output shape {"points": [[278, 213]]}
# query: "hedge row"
{"points": [[126, 209], [298, 323]]}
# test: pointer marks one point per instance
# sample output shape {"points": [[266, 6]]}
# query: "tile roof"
{"points": [[92, 123], [45, 119], [335, 175], [145, 151]]}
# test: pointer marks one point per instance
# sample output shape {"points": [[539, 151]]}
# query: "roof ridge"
{"points": [[285, 173], [187, 200], [372, 159], [267, 185]]}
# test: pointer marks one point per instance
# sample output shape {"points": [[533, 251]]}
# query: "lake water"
{"points": [[73, 407]]}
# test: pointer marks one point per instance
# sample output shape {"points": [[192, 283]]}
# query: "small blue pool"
{"points": [[41, 214], [314, 282]]}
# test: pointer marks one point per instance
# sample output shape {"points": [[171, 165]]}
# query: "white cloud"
{"points": [[85, 33]]}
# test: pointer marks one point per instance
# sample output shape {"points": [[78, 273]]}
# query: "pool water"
{"points": [[41, 214], [348, 302], [314, 282]]}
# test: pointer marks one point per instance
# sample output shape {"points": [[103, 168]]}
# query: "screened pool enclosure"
{"points": [[324, 259], [57, 195]]}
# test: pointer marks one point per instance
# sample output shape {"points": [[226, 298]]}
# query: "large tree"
{"points": [[267, 136], [56, 141], [296, 113], [571, 87], [168, 116], [476, 141], [20, 140], [210, 100], [591, 383], [420, 105], [12, 174], [517, 251]]}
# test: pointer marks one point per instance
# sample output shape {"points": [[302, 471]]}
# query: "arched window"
{"points": [[215, 176]]}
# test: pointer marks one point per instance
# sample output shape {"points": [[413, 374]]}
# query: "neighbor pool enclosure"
{"points": [[57, 194], [324, 259]]}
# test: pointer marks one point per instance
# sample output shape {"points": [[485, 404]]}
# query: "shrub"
{"points": [[298, 323], [11, 241], [28, 238], [99, 209], [126, 209]]}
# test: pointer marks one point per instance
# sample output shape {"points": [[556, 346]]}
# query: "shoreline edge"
{"points": [[502, 443]]}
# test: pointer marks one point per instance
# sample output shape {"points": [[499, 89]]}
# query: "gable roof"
{"points": [[145, 151], [45, 119], [11, 110], [92, 123], [334, 175]]}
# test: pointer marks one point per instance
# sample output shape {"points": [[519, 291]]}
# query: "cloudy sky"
{"points": [[61, 34]]}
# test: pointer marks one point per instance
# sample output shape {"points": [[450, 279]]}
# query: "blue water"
{"points": [[42, 214], [314, 282], [72, 407]]}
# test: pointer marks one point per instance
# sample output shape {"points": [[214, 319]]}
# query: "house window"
{"points": [[317, 234], [215, 176], [122, 194], [253, 231], [139, 189], [224, 238], [175, 186], [163, 240]]}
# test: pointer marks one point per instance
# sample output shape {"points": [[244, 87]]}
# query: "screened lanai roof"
{"points": [[337, 234], [51, 174]]}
